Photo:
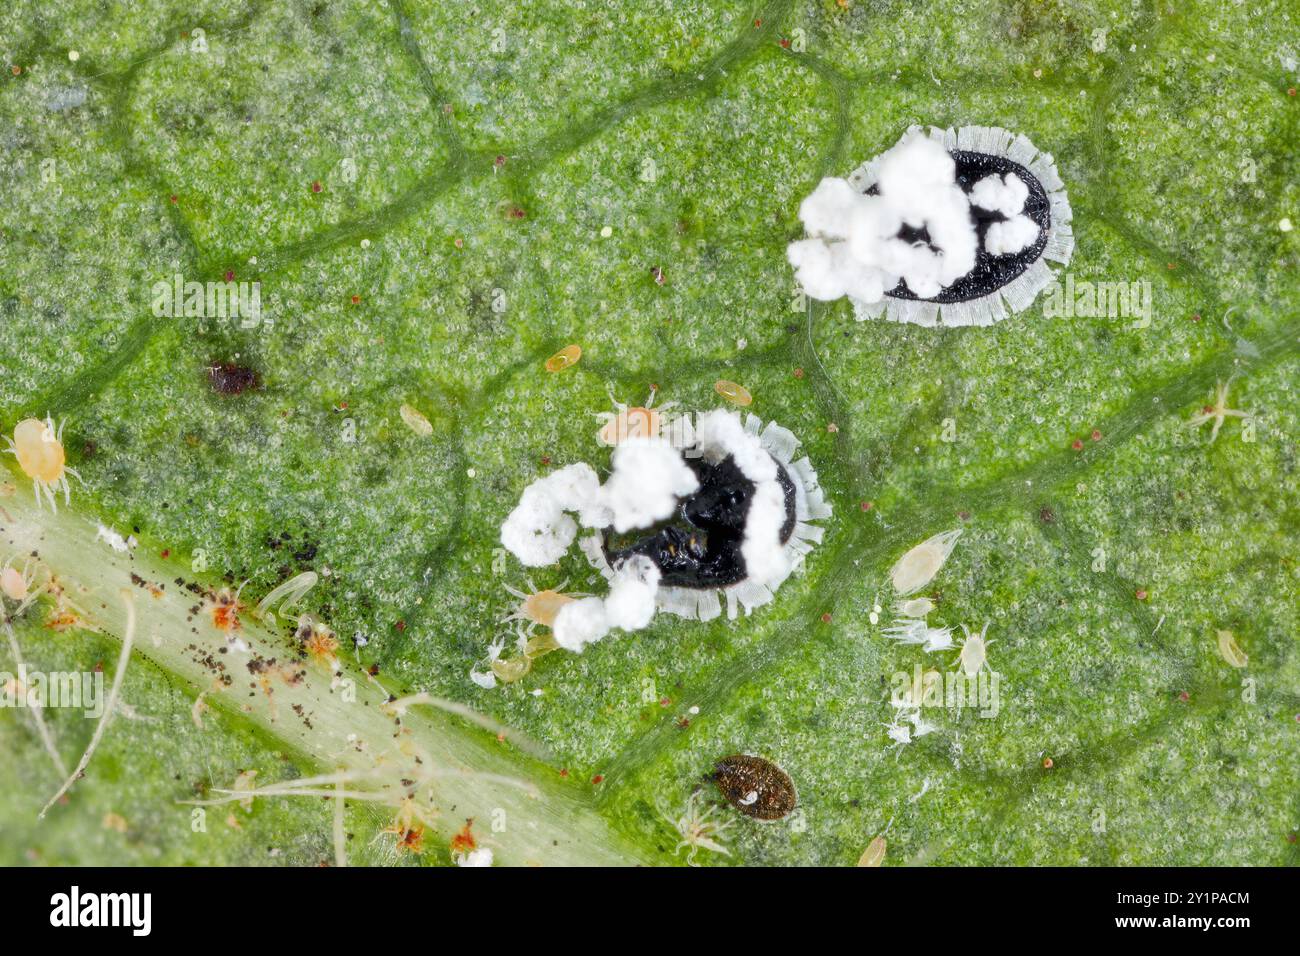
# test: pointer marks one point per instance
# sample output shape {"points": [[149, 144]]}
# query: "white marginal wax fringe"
{"points": [[853, 248]]}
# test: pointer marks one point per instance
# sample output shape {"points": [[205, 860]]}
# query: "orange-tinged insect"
{"points": [[464, 841], [639, 421], [225, 610], [733, 392], [564, 358], [38, 446], [539, 607], [318, 640]]}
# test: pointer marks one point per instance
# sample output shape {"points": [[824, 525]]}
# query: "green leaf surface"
{"points": [[435, 198]]}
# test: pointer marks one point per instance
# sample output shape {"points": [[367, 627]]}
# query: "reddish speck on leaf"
{"points": [[546, 459], [1141, 594], [356, 299], [758, 23], [1196, 316], [1184, 696], [1048, 763], [826, 617], [798, 373], [400, 625], [166, 553], [315, 187], [517, 212], [175, 199], [868, 505], [499, 161], [16, 70], [664, 701], [459, 243], [1096, 435], [230, 275], [599, 778], [784, 43], [563, 772], [1290, 91], [1290, 838], [1171, 266], [464, 841], [1077, 444]]}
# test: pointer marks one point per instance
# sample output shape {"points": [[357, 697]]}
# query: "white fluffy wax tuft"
{"points": [[649, 477], [853, 247]]}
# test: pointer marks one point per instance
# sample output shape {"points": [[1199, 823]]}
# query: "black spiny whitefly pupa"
{"points": [[701, 546], [755, 786]]}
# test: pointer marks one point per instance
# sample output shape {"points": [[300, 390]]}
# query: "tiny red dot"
{"points": [[1184, 696], [1171, 266], [758, 23], [175, 199], [400, 625], [798, 373], [868, 505], [230, 275], [315, 187], [1077, 444], [563, 772], [664, 701], [1290, 91], [1096, 435], [1196, 316], [1047, 763], [826, 618], [356, 299], [166, 553], [785, 44], [459, 243], [599, 778], [1141, 595], [500, 161], [1290, 838]]}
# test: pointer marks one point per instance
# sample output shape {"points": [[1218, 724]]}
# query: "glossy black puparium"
{"points": [[700, 546], [991, 272]]}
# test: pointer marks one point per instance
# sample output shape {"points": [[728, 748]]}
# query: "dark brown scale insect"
{"points": [[756, 787], [227, 378]]}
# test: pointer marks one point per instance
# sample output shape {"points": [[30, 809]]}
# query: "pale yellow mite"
{"points": [[38, 446], [539, 607]]}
